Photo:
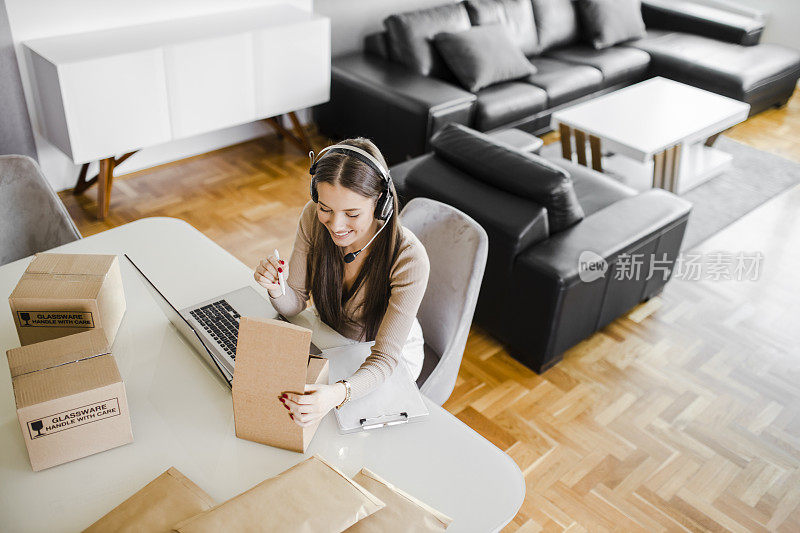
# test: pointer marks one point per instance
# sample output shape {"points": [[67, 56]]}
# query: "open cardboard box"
{"points": [[70, 398], [271, 358], [64, 294]]}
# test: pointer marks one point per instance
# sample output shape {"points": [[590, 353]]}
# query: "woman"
{"points": [[366, 273]]}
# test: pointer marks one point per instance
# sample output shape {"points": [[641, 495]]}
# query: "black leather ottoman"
{"points": [[763, 75]]}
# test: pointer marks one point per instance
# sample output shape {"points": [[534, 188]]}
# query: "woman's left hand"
{"points": [[318, 399]]}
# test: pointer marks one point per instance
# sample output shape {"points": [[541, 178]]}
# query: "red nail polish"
{"points": [[282, 261], [286, 406], [291, 415]]}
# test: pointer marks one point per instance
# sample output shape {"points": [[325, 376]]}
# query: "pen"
{"points": [[280, 275]]}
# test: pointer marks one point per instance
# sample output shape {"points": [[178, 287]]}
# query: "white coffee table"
{"points": [[660, 133]]}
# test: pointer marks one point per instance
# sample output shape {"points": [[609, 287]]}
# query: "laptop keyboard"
{"points": [[221, 321]]}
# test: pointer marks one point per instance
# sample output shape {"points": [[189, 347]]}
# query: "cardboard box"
{"points": [[70, 398], [64, 294], [272, 357]]}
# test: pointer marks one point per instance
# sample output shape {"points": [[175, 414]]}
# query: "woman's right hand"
{"points": [[266, 274]]}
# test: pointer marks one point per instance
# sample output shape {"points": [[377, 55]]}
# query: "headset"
{"points": [[384, 207]]}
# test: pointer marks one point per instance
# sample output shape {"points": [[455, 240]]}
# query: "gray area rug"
{"points": [[755, 177]]}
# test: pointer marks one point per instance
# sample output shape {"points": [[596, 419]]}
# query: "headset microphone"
{"points": [[350, 257]]}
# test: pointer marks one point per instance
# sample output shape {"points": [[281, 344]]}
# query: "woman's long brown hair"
{"points": [[325, 272]]}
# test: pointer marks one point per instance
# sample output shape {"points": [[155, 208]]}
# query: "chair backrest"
{"points": [[457, 248], [32, 217]]}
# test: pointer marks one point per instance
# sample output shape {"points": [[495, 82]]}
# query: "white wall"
{"points": [[780, 16], [351, 20], [32, 19]]}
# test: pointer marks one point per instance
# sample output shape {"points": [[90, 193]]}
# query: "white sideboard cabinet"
{"points": [[115, 91]]}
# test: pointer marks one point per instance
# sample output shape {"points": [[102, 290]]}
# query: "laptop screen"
{"points": [[182, 325]]}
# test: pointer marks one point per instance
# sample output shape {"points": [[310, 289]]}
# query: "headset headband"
{"points": [[356, 152]]}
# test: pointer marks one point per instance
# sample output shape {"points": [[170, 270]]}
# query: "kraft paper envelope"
{"points": [[403, 512], [312, 497], [272, 357], [162, 503]]}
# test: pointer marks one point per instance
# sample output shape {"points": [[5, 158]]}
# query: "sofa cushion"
{"points": [[506, 102], [482, 56], [564, 81], [515, 15], [609, 22], [747, 73], [617, 64], [557, 23], [511, 170], [409, 36], [376, 44], [511, 221]]}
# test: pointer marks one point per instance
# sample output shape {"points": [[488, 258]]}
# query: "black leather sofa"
{"points": [[533, 297], [375, 96]]}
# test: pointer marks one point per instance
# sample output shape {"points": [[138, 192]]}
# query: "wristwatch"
{"points": [[346, 393]]}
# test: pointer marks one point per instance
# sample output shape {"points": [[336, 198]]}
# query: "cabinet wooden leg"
{"points": [[301, 132], [711, 140], [82, 184], [105, 179], [297, 135], [566, 141]]}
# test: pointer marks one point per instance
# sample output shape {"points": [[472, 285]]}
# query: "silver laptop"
{"points": [[212, 327]]}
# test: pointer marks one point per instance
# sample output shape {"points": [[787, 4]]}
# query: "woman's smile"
{"points": [[341, 236]]}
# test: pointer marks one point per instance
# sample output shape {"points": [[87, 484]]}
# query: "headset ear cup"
{"points": [[389, 209], [379, 205], [313, 191], [384, 206]]}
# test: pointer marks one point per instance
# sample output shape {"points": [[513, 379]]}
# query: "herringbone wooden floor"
{"points": [[682, 415]]}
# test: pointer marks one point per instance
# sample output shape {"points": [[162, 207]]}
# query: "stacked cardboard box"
{"points": [[70, 398], [63, 294]]}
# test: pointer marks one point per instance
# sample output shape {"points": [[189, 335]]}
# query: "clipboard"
{"points": [[396, 401]]}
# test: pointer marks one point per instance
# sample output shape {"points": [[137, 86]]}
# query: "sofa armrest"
{"points": [[708, 21], [567, 308], [395, 107], [617, 229]]}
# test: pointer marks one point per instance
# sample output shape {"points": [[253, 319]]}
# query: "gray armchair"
{"points": [[32, 217], [457, 248]]}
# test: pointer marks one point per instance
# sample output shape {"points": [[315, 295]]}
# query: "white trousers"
{"points": [[413, 351]]}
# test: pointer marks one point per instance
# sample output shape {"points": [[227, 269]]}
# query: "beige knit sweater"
{"points": [[408, 278]]}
